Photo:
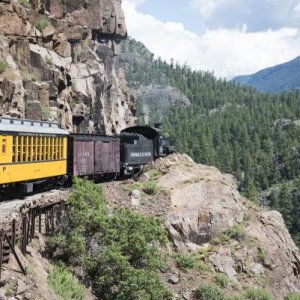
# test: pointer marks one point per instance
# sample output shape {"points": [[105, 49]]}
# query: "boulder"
{"points": [[223, 262], [205, 202]]}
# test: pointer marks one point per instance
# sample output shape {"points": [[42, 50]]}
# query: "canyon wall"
{"points": [[57, 64]]}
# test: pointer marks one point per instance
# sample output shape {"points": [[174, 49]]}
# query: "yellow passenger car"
{"points": [[31, 150]]}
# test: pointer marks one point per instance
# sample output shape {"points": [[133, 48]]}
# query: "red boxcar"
{"points": [[94, 155]]}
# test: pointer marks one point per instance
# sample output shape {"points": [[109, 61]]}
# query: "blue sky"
{"points": [[175, 11], [228, 37]]}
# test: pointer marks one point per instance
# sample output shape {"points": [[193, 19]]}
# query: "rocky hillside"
{"points": [[57, 63], [215, 231]]}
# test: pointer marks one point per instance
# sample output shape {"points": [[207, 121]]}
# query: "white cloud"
{"points": [[227, 52], [205, 7], [134, 3], [297, 9]]}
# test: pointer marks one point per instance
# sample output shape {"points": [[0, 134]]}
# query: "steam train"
{"points": [[34, 152]]}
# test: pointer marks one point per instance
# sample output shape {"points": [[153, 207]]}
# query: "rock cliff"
{"points": [[57, 63], [251, 245], [207, 217]]}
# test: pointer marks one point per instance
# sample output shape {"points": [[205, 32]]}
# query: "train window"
{"points": [[63, 148], [50, 148], [24, 148], [60, 148], [19, 149], [33, 147], [14, 149], [55, 148], [47, 144], [42, 148], [37, 148], [29, 149], [3, 146]]}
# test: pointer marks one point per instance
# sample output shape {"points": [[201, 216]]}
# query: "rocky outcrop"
{"points": [[251, 246], [57, 62], [204, 202]]}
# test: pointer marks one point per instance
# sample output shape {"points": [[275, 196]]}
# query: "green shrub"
{"points": [[293, 296], [64, 284], [222, 280], [134, 186], [49, 60], [209, 292], [118, 249], [2, 66], [154, 174], [35, 77], [237, 232], [2, 10], [220, 239], [257, 294], [25, 3], [202, 267], [185, 261], [46, 113], [41, 24], [235, 297], [150, 188], [261, 255]]}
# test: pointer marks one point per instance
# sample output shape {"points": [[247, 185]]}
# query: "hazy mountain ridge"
{"points": [[277, 79], [154, 92]]}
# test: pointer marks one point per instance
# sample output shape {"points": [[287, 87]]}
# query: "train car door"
{"points": [[83, 158]]}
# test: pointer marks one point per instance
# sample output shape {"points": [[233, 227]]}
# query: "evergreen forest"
{"points": [[252, 135]]}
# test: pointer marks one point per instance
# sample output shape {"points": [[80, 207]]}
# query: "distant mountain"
{"points": [[280, 78]]}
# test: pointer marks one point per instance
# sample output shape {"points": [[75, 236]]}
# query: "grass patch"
{"points": [[293, 296], [222, 280], [209, 292], [134, 186], [46, 113], [49, 60], [154, 174], [237, 233], [261, 256], [9, 292], [185, 261], [202, 267], [25, 3], [3, 66], [257, 294], [41, 24], [64, 284], [150, 188]]}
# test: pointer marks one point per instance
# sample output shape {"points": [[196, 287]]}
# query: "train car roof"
{"points": [[89, 136], [10, 125], [147, 131]]}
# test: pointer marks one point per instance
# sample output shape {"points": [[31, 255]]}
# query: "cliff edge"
{"points": [[213, 227]]}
